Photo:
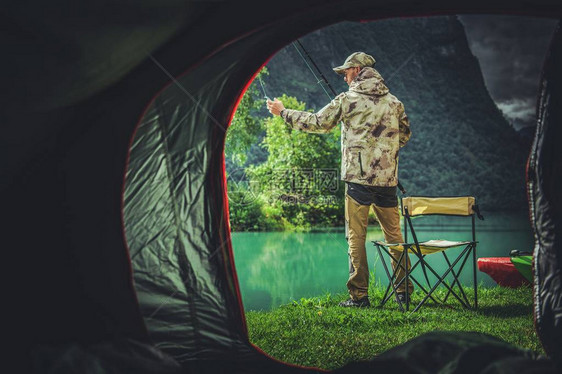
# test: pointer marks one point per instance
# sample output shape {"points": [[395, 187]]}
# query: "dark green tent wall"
{"points": [[78, 80], [544, 174]]}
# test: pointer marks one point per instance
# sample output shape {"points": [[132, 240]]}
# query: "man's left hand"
{"points": [[275, 107]]}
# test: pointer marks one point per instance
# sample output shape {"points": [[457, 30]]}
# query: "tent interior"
{"points": [[94, 90]]}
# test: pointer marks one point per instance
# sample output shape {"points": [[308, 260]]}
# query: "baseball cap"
{"points": [[360, 59]]}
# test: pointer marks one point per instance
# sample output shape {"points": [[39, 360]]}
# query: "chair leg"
{"points": [[395, 286], [471, 248], [407, 257], [418, 284], [383, 301], [462, 298], [440, 280], [474, 274], [455, 277], [390, 277]]}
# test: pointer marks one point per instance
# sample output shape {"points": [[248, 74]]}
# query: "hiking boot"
{"points": [[403, 298], [361, 303]]}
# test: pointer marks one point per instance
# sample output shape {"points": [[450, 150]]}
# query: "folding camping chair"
{"points": [[413, 206]]}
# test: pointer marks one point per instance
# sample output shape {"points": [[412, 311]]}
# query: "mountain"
{"points": [[461, 143]]}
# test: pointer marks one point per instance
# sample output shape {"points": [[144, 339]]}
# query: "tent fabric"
{"points": [[454, 352], [442, 352], [78, 78], [544, 178], [170, 224], [114, 356], [421, 205]]}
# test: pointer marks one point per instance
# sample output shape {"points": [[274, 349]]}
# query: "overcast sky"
{"points": [[511, 51]]}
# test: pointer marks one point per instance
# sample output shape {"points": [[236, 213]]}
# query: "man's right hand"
{"points": [[275, 107]]}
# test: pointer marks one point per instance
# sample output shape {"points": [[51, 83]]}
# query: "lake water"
{"points": [[275, 268]]}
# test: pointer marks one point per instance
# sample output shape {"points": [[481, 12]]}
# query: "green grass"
{"points": [[317, 332]]}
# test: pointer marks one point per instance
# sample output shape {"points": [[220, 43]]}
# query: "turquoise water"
{"points": [[275, 268]]}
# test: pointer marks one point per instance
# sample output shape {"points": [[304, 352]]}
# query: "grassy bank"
{"points": [[317, 332]]}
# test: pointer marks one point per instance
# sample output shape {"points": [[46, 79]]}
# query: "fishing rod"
{"points": [[263, 88], [319, 80], [323, 78]]}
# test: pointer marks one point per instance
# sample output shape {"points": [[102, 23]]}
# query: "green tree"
{"points": [[301, 175], [246, 126], [296, 151]]}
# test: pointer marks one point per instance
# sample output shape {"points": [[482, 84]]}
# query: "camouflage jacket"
{"points": [[374, 128]]}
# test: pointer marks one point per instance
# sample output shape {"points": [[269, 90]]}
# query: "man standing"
{"points": [[374, 128]]}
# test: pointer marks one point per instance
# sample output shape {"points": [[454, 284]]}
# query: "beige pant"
{"points": [[356, 219]]}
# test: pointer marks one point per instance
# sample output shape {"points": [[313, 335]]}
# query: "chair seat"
{"points": [[427, 247]]}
